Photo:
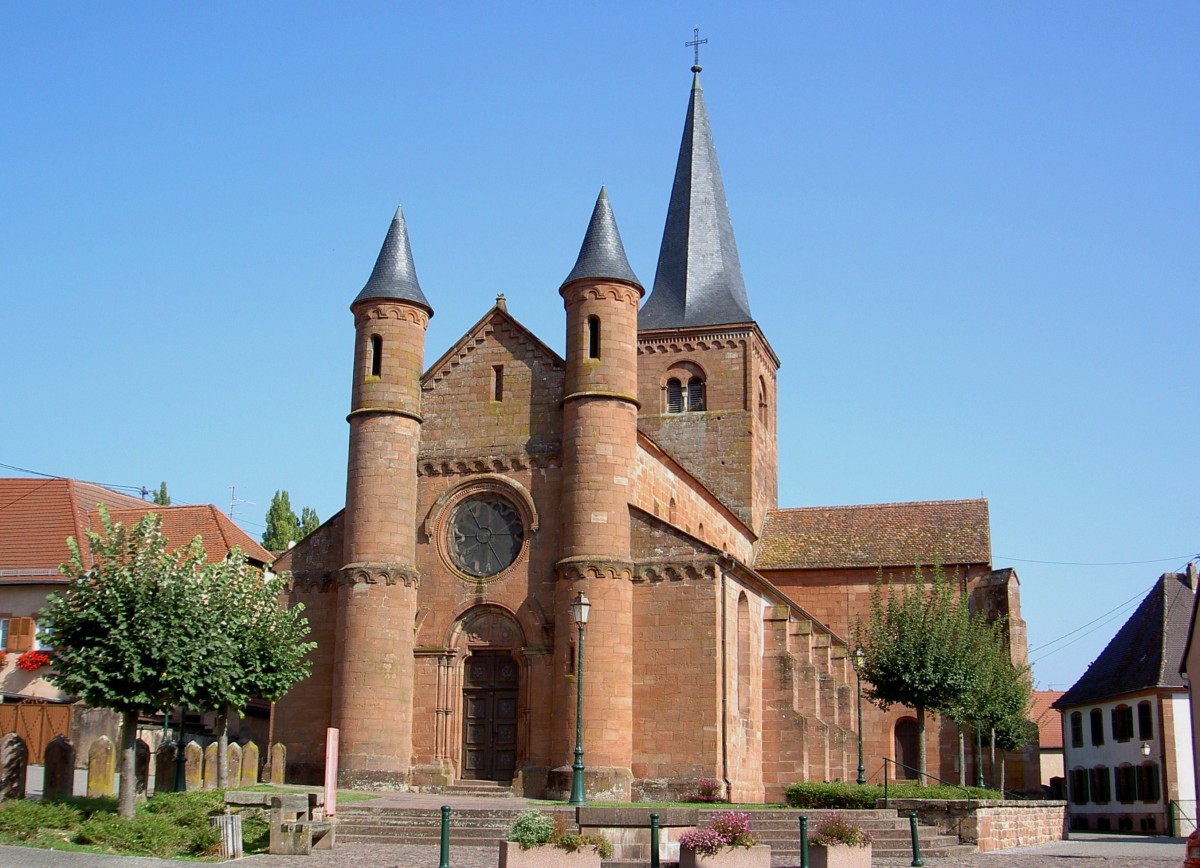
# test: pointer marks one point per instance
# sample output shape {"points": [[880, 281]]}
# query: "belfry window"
{"points": [[593, 337], [695, 395], [674, 396], [376, 356]]}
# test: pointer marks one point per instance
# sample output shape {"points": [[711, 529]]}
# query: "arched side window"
{"points": [[593, 323], [743, 655], [376, 356], [762, 400]]}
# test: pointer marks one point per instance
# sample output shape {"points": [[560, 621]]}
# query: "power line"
{"points": [[1116, 608], [1096, 563]]}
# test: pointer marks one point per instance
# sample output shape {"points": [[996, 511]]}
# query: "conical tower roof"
{"points": [[699, 277], [602, 254], [394, 275]]}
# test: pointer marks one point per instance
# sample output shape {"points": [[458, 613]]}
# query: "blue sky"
{"points": [[969, 231]]}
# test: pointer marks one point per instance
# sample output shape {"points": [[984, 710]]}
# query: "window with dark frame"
{"points": [[1122, 723], [1096, 719], [1145, 721], [1076, 729]]}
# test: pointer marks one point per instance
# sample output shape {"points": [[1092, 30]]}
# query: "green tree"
{"points": [[282, 525], [266, 650], [161, 498], [916, 646], [308, 521], [130, 632]]}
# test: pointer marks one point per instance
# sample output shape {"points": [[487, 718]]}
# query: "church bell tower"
{"points": [[377, 585]]}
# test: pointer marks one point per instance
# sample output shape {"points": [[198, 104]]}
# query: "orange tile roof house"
{"points": [[37, 516]]}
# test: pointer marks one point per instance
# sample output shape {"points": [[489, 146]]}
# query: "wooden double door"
{"points": [[490, 694]]}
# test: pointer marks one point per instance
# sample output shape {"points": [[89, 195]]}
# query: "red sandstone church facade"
{"points": [[486, 492]]}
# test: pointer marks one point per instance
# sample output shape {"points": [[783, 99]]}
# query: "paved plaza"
{"points": [[1083, 851]]}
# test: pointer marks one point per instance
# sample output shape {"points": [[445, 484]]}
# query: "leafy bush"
{"points": [[531, 829], [22, 820], [812, 794], [726, 829], [837, 831], [145, 835]]}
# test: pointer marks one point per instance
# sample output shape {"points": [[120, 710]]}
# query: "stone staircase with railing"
{"points": [[486, 827]]}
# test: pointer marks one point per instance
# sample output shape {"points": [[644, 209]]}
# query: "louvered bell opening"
{"points": [[674, 396], [695, 395]]}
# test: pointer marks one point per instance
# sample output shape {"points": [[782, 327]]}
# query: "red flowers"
{"points": [[31, 661]]}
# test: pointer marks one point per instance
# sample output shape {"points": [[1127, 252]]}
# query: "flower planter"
{"points": [[758, 856], [548, 856], [845, 856]]}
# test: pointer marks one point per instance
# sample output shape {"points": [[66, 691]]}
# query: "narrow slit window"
{"points": [[695, 395], [674, 396], [498, 383], [376, 355], [593, 337]]}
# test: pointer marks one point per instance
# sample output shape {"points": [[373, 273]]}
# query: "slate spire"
{"points": [[394, 275], [602, 254], [699, 277]]}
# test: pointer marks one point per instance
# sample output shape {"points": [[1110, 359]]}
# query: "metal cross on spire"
{"points": [[695, 44]]}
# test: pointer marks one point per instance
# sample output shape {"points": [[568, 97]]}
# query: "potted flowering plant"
{"points": [[536, 841], [839, 843], [726, 842], [31, 661]]}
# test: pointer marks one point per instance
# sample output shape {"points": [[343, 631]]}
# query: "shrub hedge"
{"points": [[813, 794]]}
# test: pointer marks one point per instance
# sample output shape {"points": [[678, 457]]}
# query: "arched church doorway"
{"points": [[906, 749], [490, 694]]}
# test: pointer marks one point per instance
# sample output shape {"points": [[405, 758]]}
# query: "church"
{"points": [[491, 491]]}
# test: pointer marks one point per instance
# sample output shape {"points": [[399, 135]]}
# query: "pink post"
{"points": [[331, 770]]}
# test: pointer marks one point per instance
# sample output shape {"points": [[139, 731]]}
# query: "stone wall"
{"points": [[992, 825]]}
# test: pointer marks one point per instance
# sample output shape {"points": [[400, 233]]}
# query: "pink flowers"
{"points": [[726, 829]]}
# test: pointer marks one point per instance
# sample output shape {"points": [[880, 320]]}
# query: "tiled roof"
{"points": [[876, 535], [1147, 651], [602, 254], [181, 524], [37, 516], [1048, 720]]}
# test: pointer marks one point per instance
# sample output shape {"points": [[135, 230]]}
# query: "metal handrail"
{"points": [[889, 761], [1171, 806]]}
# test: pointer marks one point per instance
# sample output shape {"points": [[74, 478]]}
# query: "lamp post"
{"points": [[579, 609], [860, 657]]}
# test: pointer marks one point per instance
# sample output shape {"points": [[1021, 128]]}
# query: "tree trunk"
{"points": [[921, 745], [993, 758], [962, 758], [223, 748], [127, 794], [1001, 773]]}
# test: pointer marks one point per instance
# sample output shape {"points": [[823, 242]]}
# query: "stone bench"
{"points": [[297, 824]]}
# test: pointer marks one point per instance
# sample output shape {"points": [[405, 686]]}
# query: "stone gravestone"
{"points": [[249, 774], [141, 767], [193, 761], [234, 753], [102, 766], [59, 768], [278, 763], [210, 766], [164, 769], [13, 759]]}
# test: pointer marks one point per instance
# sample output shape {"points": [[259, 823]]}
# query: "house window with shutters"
{"points": [[19, 636], [1145, 721], [1076, 729], [1101, 782], [1122, 723], [1097, 722], [1079, 786]]}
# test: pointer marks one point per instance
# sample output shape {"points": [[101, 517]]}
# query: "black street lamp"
{"points": [[579, 609], [860, 657]]}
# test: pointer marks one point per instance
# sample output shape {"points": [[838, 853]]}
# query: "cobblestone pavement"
{"points": [[1083, 851]]}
